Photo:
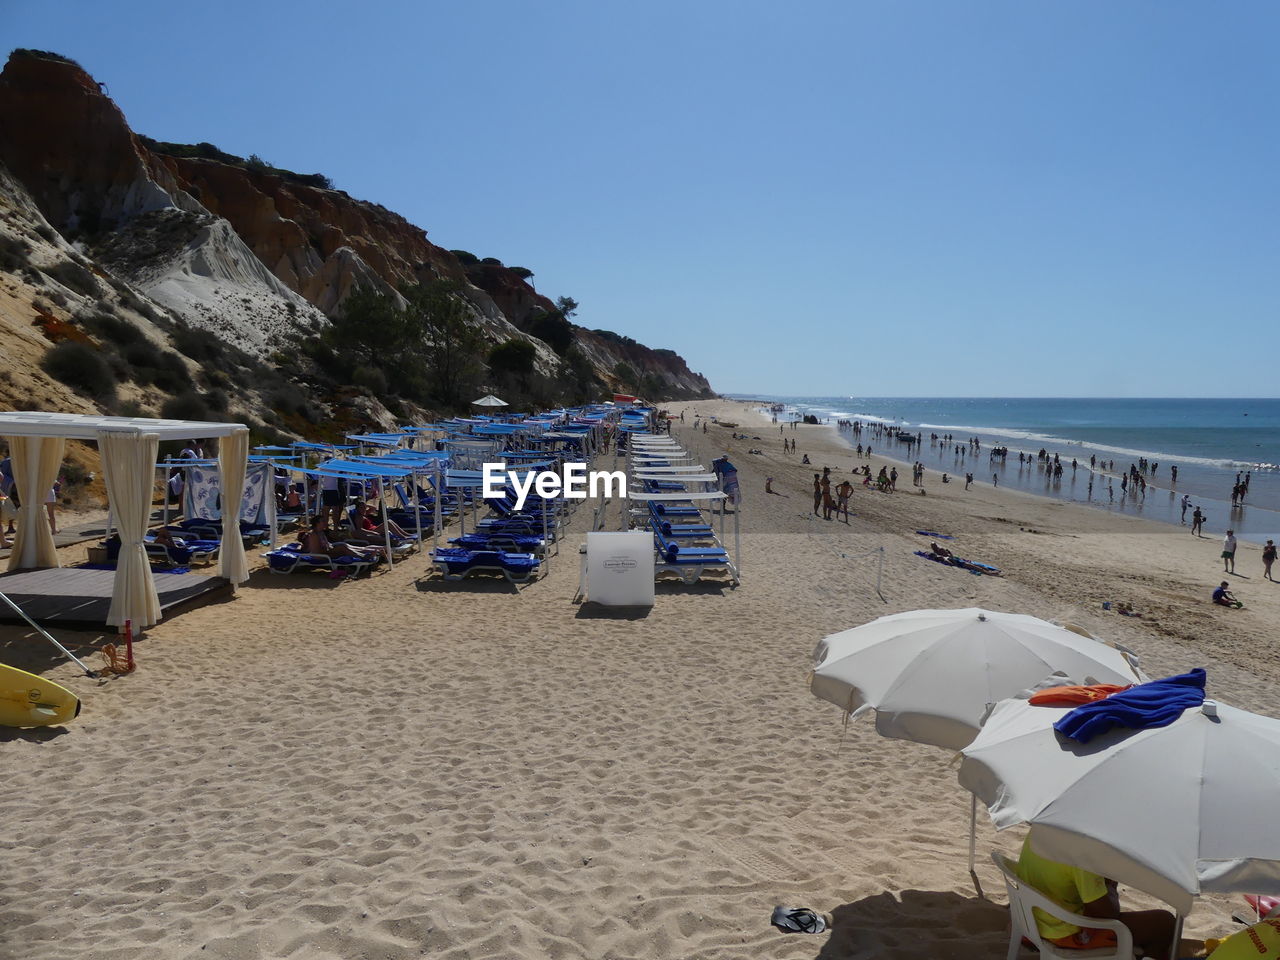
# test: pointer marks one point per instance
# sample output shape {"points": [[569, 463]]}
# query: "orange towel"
{"points": [[1074, 696]]}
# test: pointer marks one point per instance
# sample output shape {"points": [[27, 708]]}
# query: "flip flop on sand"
{"points": [[799, 920]]}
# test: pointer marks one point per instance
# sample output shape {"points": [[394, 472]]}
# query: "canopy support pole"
{"points": [[416, 501], [439, 491], [40, 630], [165, 516], [386, 521], [737, 541]]}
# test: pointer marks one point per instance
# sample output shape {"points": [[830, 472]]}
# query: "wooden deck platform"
{"points": [[77, 596]]}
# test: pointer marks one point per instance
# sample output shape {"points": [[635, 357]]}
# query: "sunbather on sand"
{"points": [[1223, 598], [939, 551]]}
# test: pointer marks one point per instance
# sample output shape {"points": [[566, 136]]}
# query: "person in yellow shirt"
{"points": [[1082, 892]]}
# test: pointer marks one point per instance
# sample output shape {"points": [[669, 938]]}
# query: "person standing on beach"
{"points": [[1229, 552], [1197, 523], [1268, 558], [1186, 502], [995, 480], [817, 494], [843, 493]]}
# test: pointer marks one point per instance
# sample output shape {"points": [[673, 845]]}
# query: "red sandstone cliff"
{"points": [[253, 254]]}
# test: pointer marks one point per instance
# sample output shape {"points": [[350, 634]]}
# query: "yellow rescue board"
{"points": [[30, 701]]}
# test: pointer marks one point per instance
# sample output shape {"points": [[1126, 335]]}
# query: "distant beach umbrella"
{"points": [[488, 400]]}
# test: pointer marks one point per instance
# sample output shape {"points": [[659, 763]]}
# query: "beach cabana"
{"points": [[128, 448]]}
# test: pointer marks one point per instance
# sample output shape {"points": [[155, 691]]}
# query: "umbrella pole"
{"points": [[973, 844], [1177, 937]]}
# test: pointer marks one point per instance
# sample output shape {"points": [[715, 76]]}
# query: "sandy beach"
{"points": [[399, 767]]}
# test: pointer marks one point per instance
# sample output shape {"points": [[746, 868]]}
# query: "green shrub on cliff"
{"points": [[74, 277], [82, 368], [429, 350], [43, 55], [514, 358]]}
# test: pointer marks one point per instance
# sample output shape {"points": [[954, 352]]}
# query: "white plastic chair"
{"points": [[1023, 896]]}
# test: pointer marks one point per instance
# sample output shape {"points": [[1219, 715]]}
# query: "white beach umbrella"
{"points": [[488, 400], [932, 675], [1174, 811]]}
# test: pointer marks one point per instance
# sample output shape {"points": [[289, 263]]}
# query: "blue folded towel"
{"points": [[1154, 704]]}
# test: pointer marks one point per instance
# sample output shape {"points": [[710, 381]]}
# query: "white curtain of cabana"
{"points": [[36, 461], [128, 468], [233, 457]]}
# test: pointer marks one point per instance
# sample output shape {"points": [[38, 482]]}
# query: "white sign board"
{"points": [[620, 569]]}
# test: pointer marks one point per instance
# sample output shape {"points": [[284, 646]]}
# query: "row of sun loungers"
{"points": [[511, 542], [685, 545]]}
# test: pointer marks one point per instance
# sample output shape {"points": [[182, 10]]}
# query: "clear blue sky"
{"points": [[891, 198]]}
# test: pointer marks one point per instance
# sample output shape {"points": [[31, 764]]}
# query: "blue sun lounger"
{"points": [[512, 542], [689, 563], [291, 559], [456, 563], [676, 509], [188, 552]]}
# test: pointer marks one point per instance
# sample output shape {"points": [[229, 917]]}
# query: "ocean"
{"points": [[1209, 441]]}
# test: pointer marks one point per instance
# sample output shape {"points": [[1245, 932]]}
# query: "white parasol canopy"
{"points": [[932, 675], [1174, 811]]}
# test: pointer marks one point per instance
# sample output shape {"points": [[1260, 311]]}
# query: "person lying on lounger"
{"points": [[164, 536], [368, 529], [317, 541]]}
